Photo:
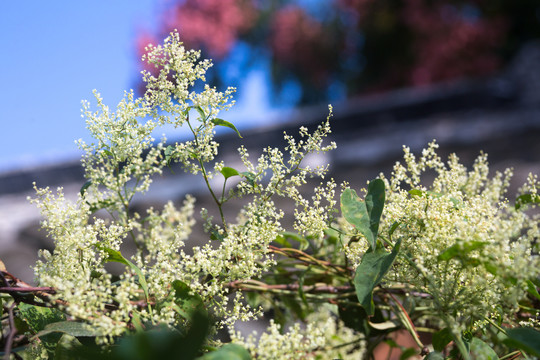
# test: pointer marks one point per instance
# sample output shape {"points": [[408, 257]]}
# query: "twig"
{"points": [[16, 289], [408, 322], [302, 256], [12, 332], [257, 285]]}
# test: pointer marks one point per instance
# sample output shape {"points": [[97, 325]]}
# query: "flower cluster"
{"points": [[462, 242], [94, 229], [461, 256], [323, 337]]}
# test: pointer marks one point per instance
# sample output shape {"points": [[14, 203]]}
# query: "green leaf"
{"points": [[187, 303], [408, 353], [294, 307], [221, 122], [108, 153], [285, 235], [84, 187], [201, 113], [282, 240], [73, 328], [393, 228], [374, 265], [531, 288], [434, 355], [215, 235], [250, 177], [416, 192], [526, 199], [526, 339], [481, 350], [355, 212], [365, 215], [38, 317], [228, 352], [460, 250], [228, 172], [442, 338], [116, 256], [353, 315], [375, 204], [169, 150]]}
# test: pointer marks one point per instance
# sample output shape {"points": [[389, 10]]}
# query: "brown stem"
{"points": [[17, 289], [304, 257], [321, 289], [12, 332]]}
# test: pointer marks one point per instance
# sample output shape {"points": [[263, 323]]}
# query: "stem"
{"points": [[495, 325], [12, 289], [257, 285], [408, 322], [12, 332], [205, 176], [302, 256], [510, 356]]}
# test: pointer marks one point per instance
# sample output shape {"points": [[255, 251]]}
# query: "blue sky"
{"points": [[55, 53]]}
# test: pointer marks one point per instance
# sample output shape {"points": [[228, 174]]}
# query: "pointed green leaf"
{"points": [[187, 303], [228, 172], [375, 203], [215, 235], [250, 177], [228, 352], [201, 113], [526, 339], [461, 250], [442, 338], [434, 355], [374, 265], [416, 192], [531, 288], [85, 186], [116, 256], [221, 122], [38, 317], [72, 328], [108, 152], [526, 199], [355, 212], [393, 228], [282, 239], [481, 350], [168, 154], [408, 353], [365, 215]]}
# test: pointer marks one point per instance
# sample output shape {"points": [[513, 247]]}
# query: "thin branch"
{"points": [[16, 289], [304, 257], [409, 324], [12, 332], [318, 289]]}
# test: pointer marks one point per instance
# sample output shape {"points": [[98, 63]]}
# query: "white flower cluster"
{"points": [[121, 163], [324, 336], [462, 242]]}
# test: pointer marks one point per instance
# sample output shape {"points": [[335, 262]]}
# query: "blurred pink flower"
{"points": [[449, 45], [211, 24], [297, 40]]}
